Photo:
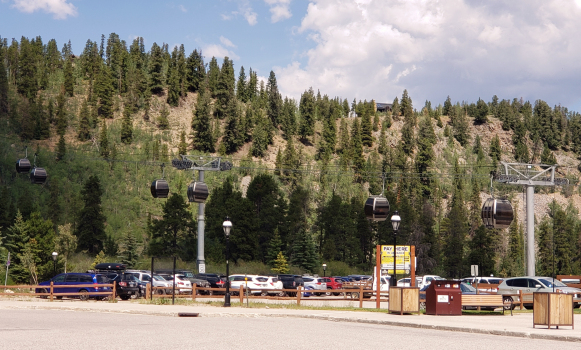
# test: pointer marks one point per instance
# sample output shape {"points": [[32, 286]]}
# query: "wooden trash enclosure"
{"points": [[553, 309], [404, 300]]}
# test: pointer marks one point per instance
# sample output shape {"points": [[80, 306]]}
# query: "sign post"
{"points": [[403, 258]]}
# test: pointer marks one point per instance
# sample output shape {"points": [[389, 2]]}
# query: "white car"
{"points": [[317, 283], [255, 284], [273, 284], [183, 285]]}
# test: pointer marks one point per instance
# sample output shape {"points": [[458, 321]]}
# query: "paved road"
{"points": [[57, 329]]}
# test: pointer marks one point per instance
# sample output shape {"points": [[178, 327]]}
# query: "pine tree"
{"points": [[195, 71], [447, 110], [69, 80], [547, 157], [344, 139], [201, 126], [27, 84], [169, 233], [278, 163], [91, 225], [3, 84], [213, 76], [156, 81], [127, 126], [61, 115], [260, 137], [395, 108], [233, 138], [173, 84], [280, 265], [162, 121], [274, 101], [356, 149], [61, 148], [481, 112], [104, 141], [426, 140], [128, 249], [182, 146], [241, 93], [104, 88], [382, 148], [84, 122], [514, 262], [495, 151], [307, 112], [366, 128], [304, 253]]}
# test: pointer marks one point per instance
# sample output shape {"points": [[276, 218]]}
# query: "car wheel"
{"points": [[125, 297], [210, 292], [281, 294], [508, 300], [43, 290], [160, 291], [59, 298], [354, 295], [576, 305], [329, 293], [84, 295], [336, 294]]}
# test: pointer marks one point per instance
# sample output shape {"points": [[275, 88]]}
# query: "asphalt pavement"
{"points": [[519, 325]]}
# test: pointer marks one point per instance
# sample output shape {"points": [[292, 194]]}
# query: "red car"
{"points": [[333, 283]]}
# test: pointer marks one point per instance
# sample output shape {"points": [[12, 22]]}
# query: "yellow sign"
{"points": [[402, 256]]}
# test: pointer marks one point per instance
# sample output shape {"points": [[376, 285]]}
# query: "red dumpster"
{"points": [[444, 297]]}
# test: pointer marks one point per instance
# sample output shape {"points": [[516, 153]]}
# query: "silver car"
{"points": [[317, 283], [532, 284]]}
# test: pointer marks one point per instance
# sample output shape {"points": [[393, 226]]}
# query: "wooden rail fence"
{"points": [[51, 294]]}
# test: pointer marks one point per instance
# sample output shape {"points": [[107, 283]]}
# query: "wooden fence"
{"points": [[49, 291]]}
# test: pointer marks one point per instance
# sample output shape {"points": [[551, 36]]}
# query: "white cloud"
{"points": [[244, 10], [182, 8], [60, 9], [280, 10], [219, 52], [226, 42], [373, 49]]}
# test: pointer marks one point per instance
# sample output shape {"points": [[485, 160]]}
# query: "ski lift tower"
{"points": [[198, 194], [529, 175]]}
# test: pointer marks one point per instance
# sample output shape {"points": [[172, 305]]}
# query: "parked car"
{"points": [[291, 282], [213, 279], [318, 283], [532, 284], [255, 284], [484, 283], [127, 284], [333, 283], [158, 281], [66, 279], [273, 284], [189, 275], [182, 284], [405, 282]]}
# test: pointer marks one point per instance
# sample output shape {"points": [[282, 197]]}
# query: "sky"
{"points": [[363, 49]]}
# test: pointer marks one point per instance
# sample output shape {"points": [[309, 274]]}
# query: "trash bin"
{"points": [[444, 297], [404, 300], [552, 309]]}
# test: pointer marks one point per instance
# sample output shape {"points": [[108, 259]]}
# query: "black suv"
{"points": [[213, 279], [291, 282], [127, 285]]}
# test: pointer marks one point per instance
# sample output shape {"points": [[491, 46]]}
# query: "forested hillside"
{"points": [[102, 123]]}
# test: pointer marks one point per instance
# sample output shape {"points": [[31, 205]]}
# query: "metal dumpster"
{"points": [[444, 297]]}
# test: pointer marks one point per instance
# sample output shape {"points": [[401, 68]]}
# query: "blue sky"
{"points": [[364, 49]]}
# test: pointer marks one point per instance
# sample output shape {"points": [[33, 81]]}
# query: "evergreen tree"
{"points": [[356, 150], [460, 127], [201, 126], [289, 122], [90, 229], [213, 76], [104, 141], [241, 93], [456, 230], [482, 251], [307, 113], [61, 148], [182, 146], [128, 249], [366, 128], [104, 88], [280, 265], [344, 139], [169, 234], [274, 101], [395, 108], [260, 137], [447, 110], [127, 126], [195, 71], [304, 254], [481, 112], [495, 151], [173, 84], [477, 149], [233, 139], [290, 160], [382, 148], [27, 84], [156, 80], [69, 80], [61, 115], [514, 262], [547, 157], [162, 121], [84, 122], [3, 84]]}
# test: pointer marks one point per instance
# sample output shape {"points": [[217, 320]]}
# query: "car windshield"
{"points": [[548, 282], [158, 278], [261, 279], [467, 288], [187, 275]]}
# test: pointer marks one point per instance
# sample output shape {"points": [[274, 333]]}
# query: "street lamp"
{"points": [[54, 256], [395, 221], [324, 270], [227, 225]]}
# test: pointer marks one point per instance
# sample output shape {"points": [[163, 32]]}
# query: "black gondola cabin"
{"points": [[198, 192], [159, 189], [377, 208], [497, 213], [23, 165], [38, 176]]}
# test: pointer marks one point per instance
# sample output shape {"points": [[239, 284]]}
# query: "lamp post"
{"points": [[227, 225], [54, 256], [395, 221], [324, 270]]}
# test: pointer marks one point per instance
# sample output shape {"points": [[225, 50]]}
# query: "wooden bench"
{"points": [[486, 300]]}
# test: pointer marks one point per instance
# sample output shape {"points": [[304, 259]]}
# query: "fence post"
{"points": [[114, 296], [241, 294], [147, 291], [520, 297], [299, 296], [194, 291], [361, 296], [51, 290]]}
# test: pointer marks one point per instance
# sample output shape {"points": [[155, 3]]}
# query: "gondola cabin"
{"points": [[38, 176], [376, 208], [23, 165], [159, 189], [497, 213], [198, 192]]}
